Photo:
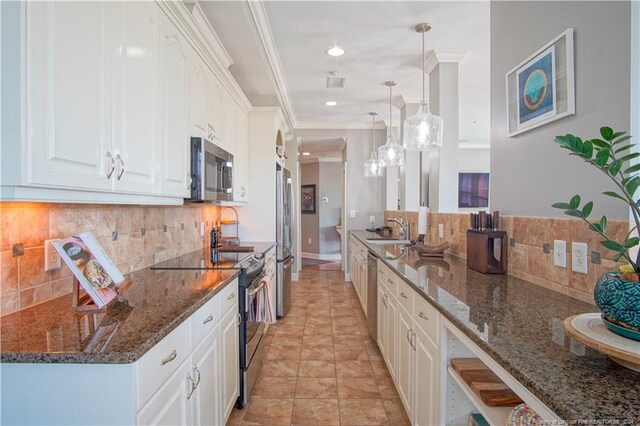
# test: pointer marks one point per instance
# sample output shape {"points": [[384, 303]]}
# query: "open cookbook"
{"points": [[91, 266]]}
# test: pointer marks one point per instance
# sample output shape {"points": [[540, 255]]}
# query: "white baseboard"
{"points": [[294, 276], [336, 256]]}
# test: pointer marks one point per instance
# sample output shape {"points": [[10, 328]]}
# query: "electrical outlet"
{"points": [[51, 256], [309, 241], [440, 230], [560, 253], [579, 261], [352, 213], [202, 229], [372, 219]]}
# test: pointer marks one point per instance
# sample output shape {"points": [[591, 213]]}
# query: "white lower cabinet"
{"points": [[426, 373], [170, 405], [404, 372], [206, 365], [231, 365]]}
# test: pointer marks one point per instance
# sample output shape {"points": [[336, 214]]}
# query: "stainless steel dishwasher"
{"points": [[372, 295]]}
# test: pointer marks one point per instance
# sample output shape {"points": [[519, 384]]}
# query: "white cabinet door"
{"points": [[392, 334], [68, 98], [382, 324], [214, 108], [174, 66], [171, 404], [229, 116], [136, 144], [425, 398], [230, 344], [241, 158], [206, 371], [404, 370], [198, 82]]}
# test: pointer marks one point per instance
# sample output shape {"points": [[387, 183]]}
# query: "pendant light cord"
{"points": [[373, 132], [390, 116], [424, 100]]}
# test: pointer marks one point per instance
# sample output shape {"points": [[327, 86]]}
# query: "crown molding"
{"points": [[441, 56], [204, 40], [409, 100], [328, 125], [311, 160], [259, 15]]}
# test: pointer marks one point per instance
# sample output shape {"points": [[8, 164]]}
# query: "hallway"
{"points": [[321, 366]]}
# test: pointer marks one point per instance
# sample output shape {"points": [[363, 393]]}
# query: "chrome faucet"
{"points": [[404, 227]]}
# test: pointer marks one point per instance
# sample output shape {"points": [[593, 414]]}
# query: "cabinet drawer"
{"points": [[405, 295], [155, 367], [427, 318], [382, 272], [391, 281], [204, 320], [228, 297]]}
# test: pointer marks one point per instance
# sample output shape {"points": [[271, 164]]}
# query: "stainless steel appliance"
{"points": [[211, 172], [284, 227], [372, 295], [251, 333]]}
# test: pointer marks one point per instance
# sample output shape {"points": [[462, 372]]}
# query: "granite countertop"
{"points": [[520, 325], [154, 304]]}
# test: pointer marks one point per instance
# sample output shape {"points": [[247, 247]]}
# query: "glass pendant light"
{"points": [[372, 167], [423, 130], [391, 154]]}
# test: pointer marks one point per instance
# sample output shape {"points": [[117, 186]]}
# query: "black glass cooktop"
{"points": [[202, 259]]}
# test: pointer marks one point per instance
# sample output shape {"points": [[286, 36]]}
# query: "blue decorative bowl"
{"points": [[625, 332], [619, 301]]}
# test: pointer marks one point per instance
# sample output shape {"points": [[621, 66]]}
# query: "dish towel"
{"points": [[259, 305]]}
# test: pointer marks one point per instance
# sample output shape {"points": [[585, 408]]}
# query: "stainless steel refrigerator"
{"points": [[284, 238]]}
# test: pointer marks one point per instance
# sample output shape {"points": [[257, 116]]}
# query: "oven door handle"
{"points": [[257, 289]]}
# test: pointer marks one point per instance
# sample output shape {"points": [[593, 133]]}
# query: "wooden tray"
{"points": [[485, 383], [590, 330]]}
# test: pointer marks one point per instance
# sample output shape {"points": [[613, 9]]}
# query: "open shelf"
{"points": [[494, 415]]}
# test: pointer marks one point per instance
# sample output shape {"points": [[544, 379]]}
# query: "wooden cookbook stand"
{"points": [[82, 302]]}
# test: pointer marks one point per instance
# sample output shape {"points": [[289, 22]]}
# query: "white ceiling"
{"points": [[380, 43]]}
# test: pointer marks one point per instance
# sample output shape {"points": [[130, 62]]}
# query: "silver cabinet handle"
{"points": [[190, 181], [384, 300], [231, 296], [413, 340], [119, 158], [403, 295], [169, 358], [197, 372], [408, 336], [207, 319], [238, 319], [423, 316], [193, 386], [113, 164]]}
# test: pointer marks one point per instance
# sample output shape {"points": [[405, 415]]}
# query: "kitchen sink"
{"points": [[388, 241]]}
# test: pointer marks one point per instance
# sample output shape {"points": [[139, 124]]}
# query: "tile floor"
{"points": [[321, 366]]}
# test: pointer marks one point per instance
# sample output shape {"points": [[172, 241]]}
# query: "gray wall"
{"points": [[529, 171], [365, 195], [330, 187], [310, 223]]}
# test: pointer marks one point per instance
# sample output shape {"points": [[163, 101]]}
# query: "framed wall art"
{"points": [[308, 199], [541, 88]]}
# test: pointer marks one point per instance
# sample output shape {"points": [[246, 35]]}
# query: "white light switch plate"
{"points": [[352, 213], [579, 260], [440, 230], [560, 253]]}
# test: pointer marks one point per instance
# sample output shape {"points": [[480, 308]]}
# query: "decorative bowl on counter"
{"points": [[619, 301]]}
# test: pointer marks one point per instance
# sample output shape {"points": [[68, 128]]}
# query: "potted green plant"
{"points": [[617, 294]]}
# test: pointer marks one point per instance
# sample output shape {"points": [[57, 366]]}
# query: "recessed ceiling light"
{"points": [[331, 103], [306, 153], [335, 51]]}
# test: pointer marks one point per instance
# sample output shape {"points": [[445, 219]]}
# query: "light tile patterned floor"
{"points": [[321, 366]]}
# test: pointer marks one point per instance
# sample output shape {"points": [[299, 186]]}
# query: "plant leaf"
{"points": [[587, 209], [632, 169], [632, 185], [607, 133], [563, 206], [631, 242], [603, 223], [612, 245], [617, 135], [587, 150], [602, 157], [628, 157], [595, 227], [623, 148], [614, 167], [614, 195], [573, 213], [574, 203], [622, 139], [600, 143]]}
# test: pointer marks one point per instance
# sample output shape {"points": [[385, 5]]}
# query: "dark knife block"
{"points": [[482, 247]]}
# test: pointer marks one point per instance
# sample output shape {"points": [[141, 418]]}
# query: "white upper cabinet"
{"points": [[198, 97], [174, 89], [241, 157], [136, 147], [68, 67], [214, 108]]}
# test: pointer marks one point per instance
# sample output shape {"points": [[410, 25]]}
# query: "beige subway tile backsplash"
{"points": [[145, 235], [527, 259]]}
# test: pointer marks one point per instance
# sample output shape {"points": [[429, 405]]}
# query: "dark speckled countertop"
{"points": [[520, 325], [155, 303]]}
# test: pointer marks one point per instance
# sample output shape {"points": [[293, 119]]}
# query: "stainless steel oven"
{"points": [[211, 172]]}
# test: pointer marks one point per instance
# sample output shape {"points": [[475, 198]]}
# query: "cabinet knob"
{"points": [[170, 357], [403, 294], [423, 316], [207, 319], [113, 164]]}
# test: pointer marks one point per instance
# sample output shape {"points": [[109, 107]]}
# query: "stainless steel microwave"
{"points": [[211, 172]]}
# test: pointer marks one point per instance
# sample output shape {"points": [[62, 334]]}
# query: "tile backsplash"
{"points": [[134, 237], [527, 259]]}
